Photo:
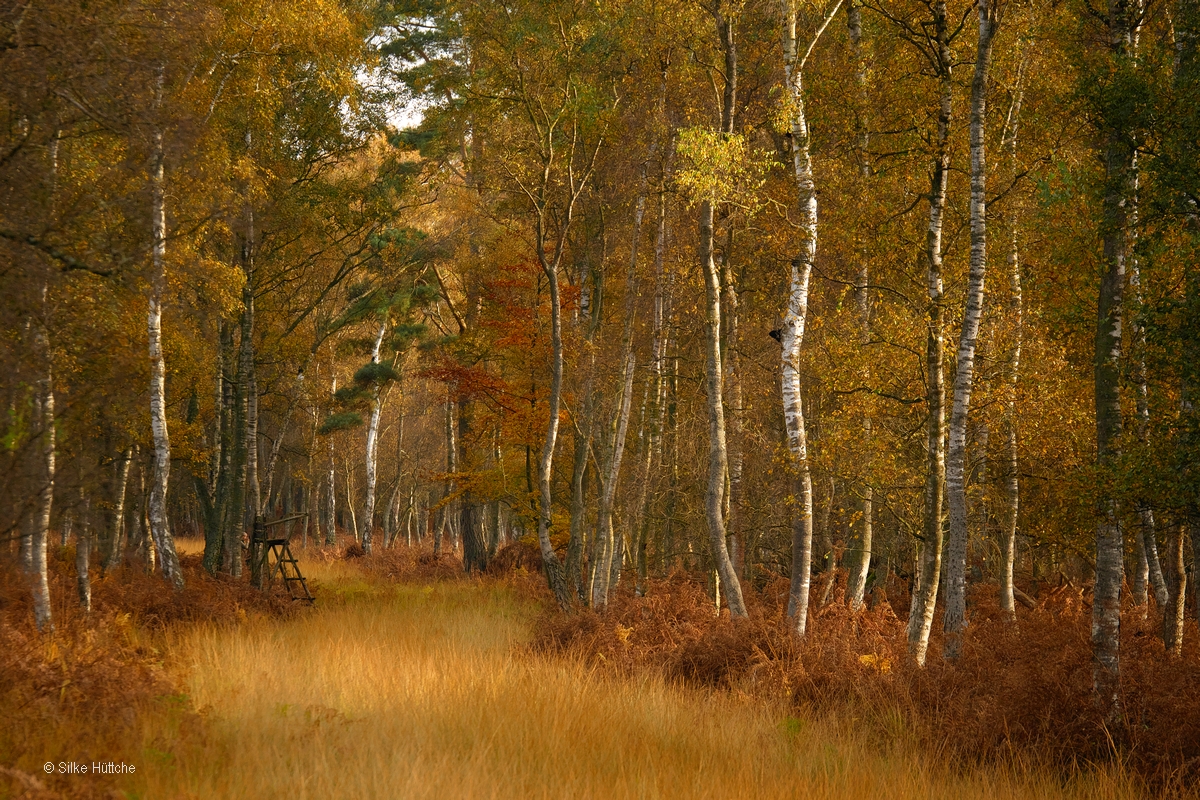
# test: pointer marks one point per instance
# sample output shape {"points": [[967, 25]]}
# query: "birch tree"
{"points": [[859, 570], [1118, 158], [1016, 314], [164, 539], [956, 570], [796, 313], [935, 48]]}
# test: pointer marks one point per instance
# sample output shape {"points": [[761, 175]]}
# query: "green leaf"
{"points": [[340, 422]]}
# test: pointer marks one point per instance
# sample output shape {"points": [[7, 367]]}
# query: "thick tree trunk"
{"points": [[924, 595], [164, 540], [955, 620]]}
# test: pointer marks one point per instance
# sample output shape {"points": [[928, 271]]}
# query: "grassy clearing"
{"points": [[402, 691]]}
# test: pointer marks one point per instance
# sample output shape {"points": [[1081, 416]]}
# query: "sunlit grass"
{"points": [[189, 546], [385, 691]]}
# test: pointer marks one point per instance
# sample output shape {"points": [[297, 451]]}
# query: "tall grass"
{"points": [[389, 692]]}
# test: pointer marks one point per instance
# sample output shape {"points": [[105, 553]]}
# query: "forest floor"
{"points": [[437, 688]]}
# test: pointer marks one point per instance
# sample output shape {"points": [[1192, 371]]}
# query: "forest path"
{"points": [[395, 691]]}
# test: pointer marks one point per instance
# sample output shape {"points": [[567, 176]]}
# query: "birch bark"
{"points": [[83, 559], [1149, 564], [367, 523], [1016, 315], [924, 595], [731, 373], [588, 321], [718, 455], [652, 456], [1110, 550], [796, 315], [1175, 613], [247, 368], [955, 621], [554, 571], [608, 564], [116, 553], [451, 468], [44, 410], [394, 505], [857, 577], [330, 486], [160, 531]]}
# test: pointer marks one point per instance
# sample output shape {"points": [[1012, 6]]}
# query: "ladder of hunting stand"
{"points": [[284, 562]]}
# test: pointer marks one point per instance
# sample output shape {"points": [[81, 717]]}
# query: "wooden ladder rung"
{"points": [[283, 557]]}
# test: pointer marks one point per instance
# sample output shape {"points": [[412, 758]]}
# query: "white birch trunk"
{"points": [[796, 316], [349, 487], [554, 572], [44, 410], [116, 554], [83, 558], [1016, 313], [718, 458], [368, 516], [1175, 613], [860, 569], [1110, 545], [925, 589], [657, 386], [331, 487], [955, 620], [608, 565], [160, 530], [1147, 544], [393, 512]]}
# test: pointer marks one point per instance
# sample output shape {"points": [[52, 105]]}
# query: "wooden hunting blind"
{"points": [[272, 555]]}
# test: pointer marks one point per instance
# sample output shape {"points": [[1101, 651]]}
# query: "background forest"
{"points": [[898, 300]]}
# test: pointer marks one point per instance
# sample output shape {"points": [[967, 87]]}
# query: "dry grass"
{"points": [[389, 691], [431, 689], [1019, 692]]}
